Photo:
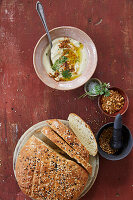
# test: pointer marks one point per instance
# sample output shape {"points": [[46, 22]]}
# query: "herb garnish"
{"points": [[59, 62], [100, 89], [66, 74]]}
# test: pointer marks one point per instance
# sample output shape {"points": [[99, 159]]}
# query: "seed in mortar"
{"points": [[105, 140]]}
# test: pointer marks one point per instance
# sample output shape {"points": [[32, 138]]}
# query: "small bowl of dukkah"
{"points": [[115, 103], [70, 62]]}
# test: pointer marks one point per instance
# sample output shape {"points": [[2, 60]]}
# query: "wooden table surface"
{"points": [[25, 100]]}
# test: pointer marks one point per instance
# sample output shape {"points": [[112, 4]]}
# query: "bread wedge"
{"points": [[42, 173], [70, 138], [56, 139], [83, 132]]}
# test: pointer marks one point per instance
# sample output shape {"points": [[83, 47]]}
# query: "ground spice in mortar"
{"points": [[105, 139], [112, 103]]}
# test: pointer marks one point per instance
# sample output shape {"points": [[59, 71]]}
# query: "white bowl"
{"points": [[74, 33]]}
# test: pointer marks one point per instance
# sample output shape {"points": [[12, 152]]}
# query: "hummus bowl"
{"points": [[89, 65]]}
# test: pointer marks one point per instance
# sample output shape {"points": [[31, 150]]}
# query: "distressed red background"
{"points": [[25, 100]]}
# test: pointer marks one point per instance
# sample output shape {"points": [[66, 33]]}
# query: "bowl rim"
{"points": [[114, 115], [59, 87], [102, 153]]}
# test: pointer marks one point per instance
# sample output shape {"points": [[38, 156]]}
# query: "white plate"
{"points": [[94, 160]]}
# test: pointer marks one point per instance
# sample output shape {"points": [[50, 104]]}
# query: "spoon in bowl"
{"points": [[40, 11]]}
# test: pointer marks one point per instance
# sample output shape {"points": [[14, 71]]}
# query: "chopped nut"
{"points": [[112, 103]]}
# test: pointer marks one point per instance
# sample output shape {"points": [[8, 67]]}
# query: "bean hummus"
{"points": [[68, 59]]}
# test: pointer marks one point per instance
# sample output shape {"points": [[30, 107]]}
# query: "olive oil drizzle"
{"points": [[73, 55]]}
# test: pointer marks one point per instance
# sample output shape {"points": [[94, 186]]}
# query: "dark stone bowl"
{"points": [[127, 143]]}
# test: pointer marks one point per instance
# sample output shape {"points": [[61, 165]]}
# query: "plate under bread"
{"points": [[94, 160]]}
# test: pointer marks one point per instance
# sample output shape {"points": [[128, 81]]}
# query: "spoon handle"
{"points": [[40, 11]]}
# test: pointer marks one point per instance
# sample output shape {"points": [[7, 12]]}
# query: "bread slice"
{"points": [[68, 135], [42, 173], [56, 139], [83, 132]]}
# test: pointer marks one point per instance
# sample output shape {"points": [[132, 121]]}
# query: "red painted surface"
{"points": [[25, 100]]}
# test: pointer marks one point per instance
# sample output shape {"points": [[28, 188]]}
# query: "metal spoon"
{"points": [[40, 11]]}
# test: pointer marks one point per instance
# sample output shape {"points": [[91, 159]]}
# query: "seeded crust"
{"points": [[83, 132], [48, 132], [69, 136], [42, 173]]}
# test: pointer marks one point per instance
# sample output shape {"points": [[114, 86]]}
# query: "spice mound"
{"points": [[112, 103], [105, 139]]}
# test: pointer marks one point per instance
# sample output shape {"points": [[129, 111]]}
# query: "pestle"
{"points": [[116, 142]]}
